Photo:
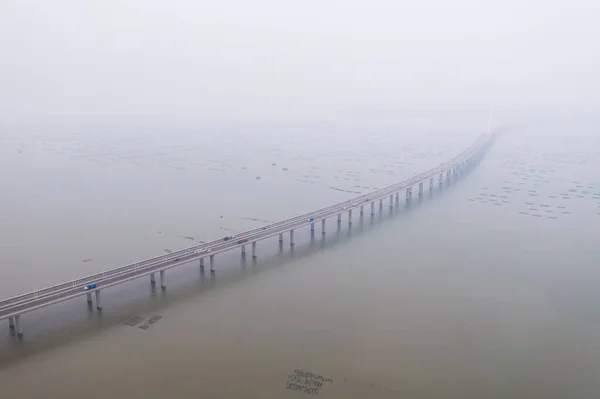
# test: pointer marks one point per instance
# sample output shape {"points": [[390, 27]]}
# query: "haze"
{"points": [[188, 60]]}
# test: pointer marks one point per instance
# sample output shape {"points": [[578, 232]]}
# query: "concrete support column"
{"points": [[202, 263], [152, 281], [312, 227], [280, 237], [391, 200], [254, 249], [212, 263], [98, 302], [431, 184], [18, 326], [292, 237], [323, 226], [162, 279], [441, 178], [381, 203], [372, 208], [397, 197], [448, 174], [362, 210], [350, 216], [89, 297], [11, 323], [339, 219], [408, 193], [420, 189], [243, 250]]}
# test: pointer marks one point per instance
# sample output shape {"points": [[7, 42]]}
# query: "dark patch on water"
{"points": [[134, 321]]}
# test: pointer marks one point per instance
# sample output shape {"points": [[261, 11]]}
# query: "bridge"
{"points": [[13, 308]]}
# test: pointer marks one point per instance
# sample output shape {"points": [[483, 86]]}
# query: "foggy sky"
{"points": [[186, 59]]}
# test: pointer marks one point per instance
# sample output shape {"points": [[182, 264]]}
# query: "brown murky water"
{"points": [[463, 295]]}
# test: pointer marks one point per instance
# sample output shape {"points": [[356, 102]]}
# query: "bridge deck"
{"points": [[15, 306]]}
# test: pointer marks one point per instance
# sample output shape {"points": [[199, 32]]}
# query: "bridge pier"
{"points": [[323, 226], [397, 197], [372, 208], [339, 219], [362, 210], [350, 216], [408, 193], [202, 263], [89, 297], [441, 178], [312, 228], [162, 279], [152, 281], [448, 174], [243, 250], [420, 189], [280, 238], [212, 263], [381, 203], [98, 303], [253, 249], [292, 237], [18, 326], [11, 323], [392, 201], [431, 184]]}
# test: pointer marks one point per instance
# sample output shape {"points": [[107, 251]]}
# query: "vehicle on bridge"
{"points": [[202, 250], [89, 287], [243, 240], [311, 219]]}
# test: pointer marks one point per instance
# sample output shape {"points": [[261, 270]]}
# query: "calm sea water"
{"points": [[488, 288]]}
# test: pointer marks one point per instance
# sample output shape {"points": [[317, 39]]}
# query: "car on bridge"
{"points": [[202, 250], [89, 287], [243, 240], [311, 219], [355, 204]]}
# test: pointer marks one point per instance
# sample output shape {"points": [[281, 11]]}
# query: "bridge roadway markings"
{"points": [[221, 250], [13, 308], [174, 255]]}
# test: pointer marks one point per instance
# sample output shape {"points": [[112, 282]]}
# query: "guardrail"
{"points": [[329, 211]]}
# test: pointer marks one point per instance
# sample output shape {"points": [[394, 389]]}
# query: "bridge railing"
{"points": [[372, 196]]}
